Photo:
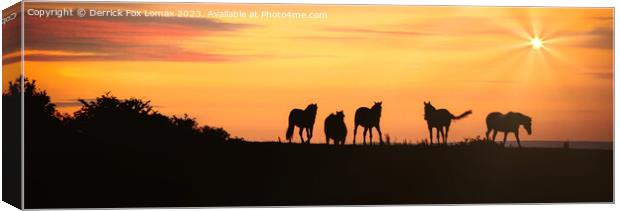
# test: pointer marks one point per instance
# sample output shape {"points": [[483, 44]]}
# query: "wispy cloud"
{"points": [[375, 31], [601, 37], [330, 38], [71, 102], [457, 26], [150, 39], [11, 35], [600, 75], [604, 18], [65, 104]]}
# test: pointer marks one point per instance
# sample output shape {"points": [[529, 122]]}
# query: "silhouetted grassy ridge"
{"points": [[121, 153], [267, 174]]}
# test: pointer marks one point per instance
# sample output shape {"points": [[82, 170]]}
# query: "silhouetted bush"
{"points": [[109, 117], [480, 142], [106, 120], [37, 104], [214, 133], [41, 120]]}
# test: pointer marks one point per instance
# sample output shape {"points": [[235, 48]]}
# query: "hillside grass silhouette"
{"points": [[123, 153]]}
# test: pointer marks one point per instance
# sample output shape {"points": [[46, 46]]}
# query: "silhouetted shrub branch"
{"points": [[108, 119]]}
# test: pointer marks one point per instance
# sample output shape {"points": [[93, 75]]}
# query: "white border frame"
{"points": [[549, 3]]}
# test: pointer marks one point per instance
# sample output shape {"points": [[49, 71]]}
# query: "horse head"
{"points": [[428, 107], [377, 106], [527, 124], [312, 108], [340, 114]]}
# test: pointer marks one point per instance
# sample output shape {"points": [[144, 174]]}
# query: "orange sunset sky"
{"points": [[246, 74]]}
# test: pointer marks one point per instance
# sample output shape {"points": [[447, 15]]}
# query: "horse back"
{"points": [[335, 128], [493, 120], [439, 118], [443, 113], [494, 116], [361, 115], [296, 112], [329, 123], [501, 122], [296, 116]]}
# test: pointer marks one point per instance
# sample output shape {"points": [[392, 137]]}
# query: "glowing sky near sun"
{"points": [[247, 74]]}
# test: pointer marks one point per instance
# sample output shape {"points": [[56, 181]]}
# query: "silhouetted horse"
{"points": [[304, 119], [335, 128], [368, 118], [440, 119], [510, 122]]}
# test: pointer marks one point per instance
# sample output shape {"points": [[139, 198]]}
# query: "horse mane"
{"points": [[520, 116], [428, 108], [376, 108], [527, 118], [311, 107]]}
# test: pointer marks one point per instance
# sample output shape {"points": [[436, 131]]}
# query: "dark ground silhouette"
{"points": [[121, 153], [11, 145], [273, 174]]}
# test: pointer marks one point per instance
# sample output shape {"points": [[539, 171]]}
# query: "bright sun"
{"points": [[536, 43]]}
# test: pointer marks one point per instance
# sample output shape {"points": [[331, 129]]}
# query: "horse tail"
{"points": [[467, 113], [289, 130]]}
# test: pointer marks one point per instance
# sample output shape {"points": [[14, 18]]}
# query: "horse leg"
{"points": [[301, 134], [327, 139], [438, 132], [517, 136], [292, 135], [365, 131], [441, 134], [494, 135], [380, 135], [505, 137], [354, 133], [430, 132], [446, 134], [370, 130], [309, 135], [487, 134]]}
